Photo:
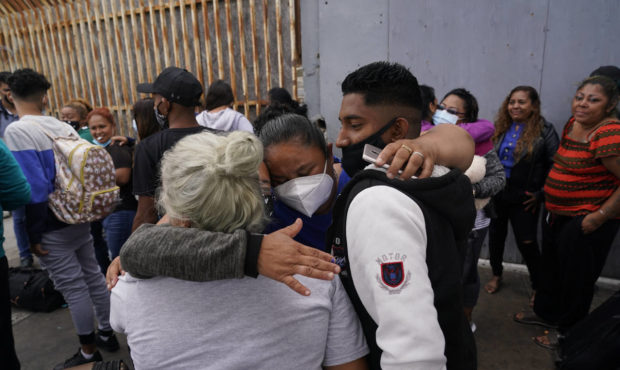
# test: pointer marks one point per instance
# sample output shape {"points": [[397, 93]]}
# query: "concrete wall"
{"points": [[485, 46]]}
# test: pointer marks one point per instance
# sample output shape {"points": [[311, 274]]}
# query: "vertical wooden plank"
{"points": [[205, 20], [86, 86], [244, 64], [139, 61], [11, 45], [134, 57], [293, 34], [175, 37], [68, 61], [231, 53], [129, 59], [146, 58], [279, 43], [114, 37], [186, 46], [266, 42], [4, 53], [34, 57], [156, 51], [196, 44], [112, 58], [61, 76], [18, 46], [102, 58], [90, 58], [164, 33], [255, 56], [56, 96], [45, 62], [218, 37]]}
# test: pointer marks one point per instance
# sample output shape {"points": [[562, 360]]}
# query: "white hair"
{"points": [[212, 181]]}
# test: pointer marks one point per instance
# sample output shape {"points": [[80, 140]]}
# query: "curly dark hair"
{"points": [[29, 85], [4, 77], [533, 125], [384, 83], [471, 104]]}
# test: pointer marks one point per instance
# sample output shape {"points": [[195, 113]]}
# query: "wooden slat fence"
{"points": [[99, 50]]}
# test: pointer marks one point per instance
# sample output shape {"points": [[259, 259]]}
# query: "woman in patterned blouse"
{"points": [[582, 200]]}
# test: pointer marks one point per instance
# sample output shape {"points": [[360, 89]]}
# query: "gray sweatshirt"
{"points": [[187, 253]]}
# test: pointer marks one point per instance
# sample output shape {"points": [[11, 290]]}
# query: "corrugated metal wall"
{"points": [[485, 46]]}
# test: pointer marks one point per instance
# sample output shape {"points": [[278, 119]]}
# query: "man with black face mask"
{"points": [[399, 242], [175, 93]]}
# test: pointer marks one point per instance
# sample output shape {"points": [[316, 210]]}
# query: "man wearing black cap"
{"points": [[175, 93]]}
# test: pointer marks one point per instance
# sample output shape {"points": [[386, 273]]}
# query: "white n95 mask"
{"points": [[443, 116], [306, 194]]}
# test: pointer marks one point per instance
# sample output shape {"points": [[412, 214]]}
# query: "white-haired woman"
{"points": [[211, 182]]}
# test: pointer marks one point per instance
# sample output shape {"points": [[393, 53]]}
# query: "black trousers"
{"points": [[101, 247], [8, 357], [525, 225], [571, 263]]}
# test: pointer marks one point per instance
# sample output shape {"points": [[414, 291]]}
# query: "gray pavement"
{"points": [[45, 339]]}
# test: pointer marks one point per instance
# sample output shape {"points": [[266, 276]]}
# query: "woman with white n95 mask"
{"points": [[303, 175]]}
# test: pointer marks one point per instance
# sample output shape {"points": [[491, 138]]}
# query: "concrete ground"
{"points": [[45, 339]]}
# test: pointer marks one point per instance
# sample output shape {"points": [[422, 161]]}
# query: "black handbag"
{"points": [[32, 289]]}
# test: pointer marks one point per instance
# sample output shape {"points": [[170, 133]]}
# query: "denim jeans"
{"points": [[117, 230], [19, 227]]}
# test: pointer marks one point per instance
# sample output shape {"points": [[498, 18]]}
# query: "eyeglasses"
{"points": [[450, 110]]}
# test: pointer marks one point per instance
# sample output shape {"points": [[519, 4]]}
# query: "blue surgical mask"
{"points": [[443, 116], [102, 144]]}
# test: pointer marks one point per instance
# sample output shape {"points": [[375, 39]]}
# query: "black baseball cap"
{"points": [[175, 84]]}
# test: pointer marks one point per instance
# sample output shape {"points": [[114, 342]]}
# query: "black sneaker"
{"points": [[78, 359], [110, 345]]}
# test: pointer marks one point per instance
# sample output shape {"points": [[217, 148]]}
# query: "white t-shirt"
{"points": [[236, 324], [225, 120]]}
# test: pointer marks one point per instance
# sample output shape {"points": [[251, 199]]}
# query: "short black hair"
{"points": [[4, 77], [292, 127], [219, 93], [272, 111], [428, 97], [384, 83], [612, 72], [471, 104], [280, 95], [27, 84]]}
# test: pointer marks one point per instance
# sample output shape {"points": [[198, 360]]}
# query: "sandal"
{"points": [[530, 318], [493, 285], [547, 341]]}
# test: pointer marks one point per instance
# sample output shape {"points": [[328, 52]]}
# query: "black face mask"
{"points": [[74, 124], [352, 160]]}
